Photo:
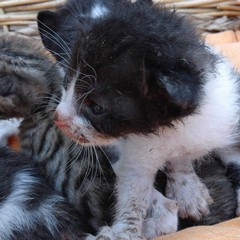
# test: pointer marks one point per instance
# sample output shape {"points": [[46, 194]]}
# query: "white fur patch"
{"points": [[8, 128], [98, 11], [66, 107]]}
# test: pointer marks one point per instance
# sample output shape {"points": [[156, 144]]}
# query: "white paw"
{"points": [[162, 216], [117, 232], [8, 128], [105, 233], [190, 193]]}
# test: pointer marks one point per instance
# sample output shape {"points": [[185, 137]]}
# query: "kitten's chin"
{"points": [[81, 140], [76, 137], [93, 138]]}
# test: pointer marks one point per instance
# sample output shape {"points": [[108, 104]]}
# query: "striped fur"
{"points": [[71, 170], [29, 208]]}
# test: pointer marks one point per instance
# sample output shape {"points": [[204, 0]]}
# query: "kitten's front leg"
{"points": [[134, 193], [186, 188], [162, 216], [142, 211]]}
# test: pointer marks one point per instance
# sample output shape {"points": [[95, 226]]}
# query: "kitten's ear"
{"points": [[178, 90], [49, 26]]}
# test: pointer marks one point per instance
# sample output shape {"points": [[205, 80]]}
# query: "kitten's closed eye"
{"points": [[6, 83]]}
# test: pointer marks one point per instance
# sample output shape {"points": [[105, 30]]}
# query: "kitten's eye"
{"points": [[97, 109]]}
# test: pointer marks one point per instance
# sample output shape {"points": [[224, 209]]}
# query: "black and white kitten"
{"points": [[30, 83], [140, 76]]}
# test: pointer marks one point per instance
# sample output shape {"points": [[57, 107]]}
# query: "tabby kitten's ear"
{"points": [[49, 27]]}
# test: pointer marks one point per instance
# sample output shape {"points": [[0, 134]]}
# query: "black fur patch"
{"points": [[233, 173]]}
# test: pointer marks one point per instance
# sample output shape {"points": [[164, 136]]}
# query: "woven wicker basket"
{"points": [[20, 15], [210, 15]]}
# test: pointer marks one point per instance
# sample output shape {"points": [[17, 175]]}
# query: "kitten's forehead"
{"points": [[114, 42]]}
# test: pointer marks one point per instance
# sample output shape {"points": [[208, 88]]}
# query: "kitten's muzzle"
{"points": [[63, 124], [60, 122]]}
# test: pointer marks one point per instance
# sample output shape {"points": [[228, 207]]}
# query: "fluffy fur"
{"points": [[69, 170], [30, 209], [24, 61], [82, 175], [141, 76]]}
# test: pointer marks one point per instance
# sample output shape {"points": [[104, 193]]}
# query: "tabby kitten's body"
{"points": [[30, 84]]}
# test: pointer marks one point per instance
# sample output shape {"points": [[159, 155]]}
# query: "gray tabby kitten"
{"points": [[31, 88], [31, 84], [29, 207]]}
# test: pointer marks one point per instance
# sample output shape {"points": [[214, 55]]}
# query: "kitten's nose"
{"points": [[59, 120], [63, 114]]}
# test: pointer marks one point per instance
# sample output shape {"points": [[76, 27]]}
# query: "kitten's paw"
{"points": [[105, 233], [117, 232], [162, 216], [191, 194]]}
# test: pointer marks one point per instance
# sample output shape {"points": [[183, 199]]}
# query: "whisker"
{"points": [[109, 160], [84, 96], [94, 72], [63, 45]]}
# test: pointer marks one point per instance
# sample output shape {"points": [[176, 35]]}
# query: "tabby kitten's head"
{"points": [[25, 75], [132, 69]]}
